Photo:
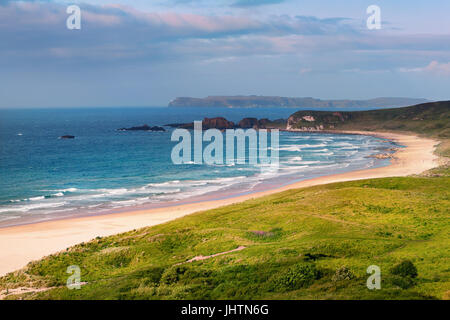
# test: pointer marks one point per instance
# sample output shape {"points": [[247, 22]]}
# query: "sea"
{"points": [[104, 170]]}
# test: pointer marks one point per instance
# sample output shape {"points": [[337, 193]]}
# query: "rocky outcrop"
{"points": [[145, 127], [248, 123], [309, 118], [217, 123], [316, 120], [267, 124], [207, 123], [254, 123], [435, 115], [222, 124], [310, 129]]}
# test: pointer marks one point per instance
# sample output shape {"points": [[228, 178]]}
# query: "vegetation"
{"points": [[405, 269], [343, 273], [296, 244]]}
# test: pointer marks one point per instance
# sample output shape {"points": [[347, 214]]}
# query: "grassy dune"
{"points": [[294, 243]]}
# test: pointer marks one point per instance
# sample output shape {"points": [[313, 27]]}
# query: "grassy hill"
{"points": [[429, 118], [312, 243]]}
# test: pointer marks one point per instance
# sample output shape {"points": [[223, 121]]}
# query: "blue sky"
{"points": [[145, 53]]}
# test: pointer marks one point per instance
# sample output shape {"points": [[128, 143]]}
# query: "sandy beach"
{"points": [[22, 244]]}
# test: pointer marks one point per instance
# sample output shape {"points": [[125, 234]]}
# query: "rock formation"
{"points": [[222, 124], [145, 127]]}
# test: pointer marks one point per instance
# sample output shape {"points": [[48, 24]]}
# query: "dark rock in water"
{"points": [[264, 123], [217, 123], [67, 137], [253, 123], [207, 123], [145, 127], [175, 125], [248, 123]]}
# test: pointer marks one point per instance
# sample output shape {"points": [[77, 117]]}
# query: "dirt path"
{"points": [[199, 258]]}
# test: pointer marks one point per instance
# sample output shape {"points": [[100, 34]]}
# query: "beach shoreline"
{"points": [[24, 243]]}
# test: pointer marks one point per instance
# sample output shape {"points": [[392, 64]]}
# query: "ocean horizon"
{"points": [[104, 170]]}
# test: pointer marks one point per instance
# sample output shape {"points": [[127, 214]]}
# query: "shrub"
{"points": [[298, 276], [173, 274], [343, 273], [314, 256], [403, 282], [287, 252], [150, 276], [405, 269]]}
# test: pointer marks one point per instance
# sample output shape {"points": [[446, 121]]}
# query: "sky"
{"points": [[148, 52]]}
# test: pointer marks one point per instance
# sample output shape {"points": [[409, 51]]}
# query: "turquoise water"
{"points": [[104, 170]]}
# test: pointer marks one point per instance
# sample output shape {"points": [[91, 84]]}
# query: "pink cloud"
{"points": [[438, 68], [101, 19], [433, 67], [207, 24]]}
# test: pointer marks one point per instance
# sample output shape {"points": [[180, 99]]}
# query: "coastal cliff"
{"points": [[317, 120], [427, 118]]}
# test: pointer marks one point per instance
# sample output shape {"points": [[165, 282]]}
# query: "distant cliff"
{"points": [[266, 101], [429, 118]]}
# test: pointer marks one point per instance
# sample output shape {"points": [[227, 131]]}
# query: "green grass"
{"points": [[295, 241]]}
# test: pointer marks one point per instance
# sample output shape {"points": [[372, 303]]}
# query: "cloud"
{"points": [[434, 67], [35, 34], [254, 3], [438, 68], [127, 55]]}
